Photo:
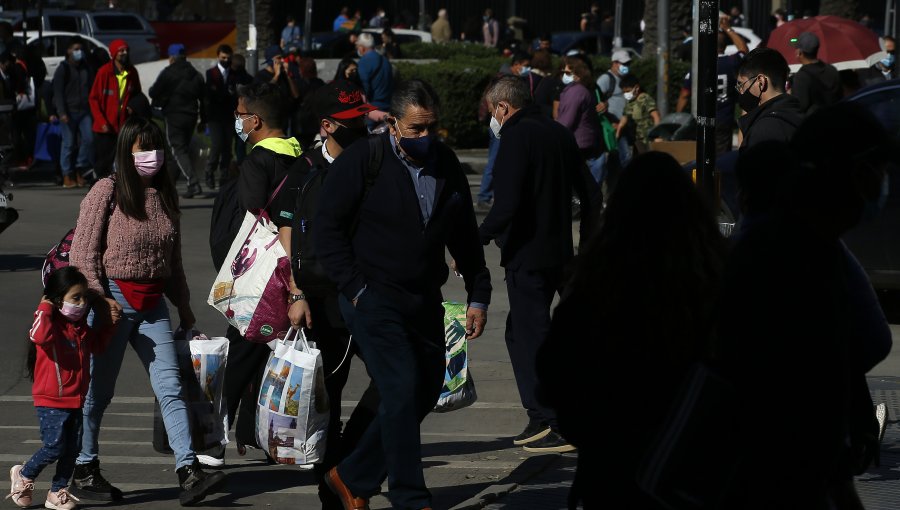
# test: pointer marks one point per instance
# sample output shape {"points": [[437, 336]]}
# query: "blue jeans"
{"points": [[79, 125], [486, 192], [597, 166], [624, 158], [61, 435], [150, 334]]}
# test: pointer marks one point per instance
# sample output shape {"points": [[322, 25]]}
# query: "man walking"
{"points": [[221, 102], [71, 88], [382, 239], [440, 29], [770, 113], [612, 102], [538, 165], [115, 84], [816, 84], [375, 72], [179, 92]]}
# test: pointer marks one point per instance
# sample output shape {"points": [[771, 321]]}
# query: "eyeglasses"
{"points": [[238, 115], [740, 86]]}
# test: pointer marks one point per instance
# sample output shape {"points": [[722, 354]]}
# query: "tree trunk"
{"points": [[265, 31], [679, 18], [842, 8]]}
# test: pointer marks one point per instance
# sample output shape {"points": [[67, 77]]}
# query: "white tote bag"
{"points": [[293, 409], [210, 410], [252, 288]]}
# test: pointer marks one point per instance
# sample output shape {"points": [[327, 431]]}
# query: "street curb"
{"points": [[527, 470]]}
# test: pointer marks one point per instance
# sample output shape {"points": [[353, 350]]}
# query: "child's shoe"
{"points": [[60, 500], [21, 488]]}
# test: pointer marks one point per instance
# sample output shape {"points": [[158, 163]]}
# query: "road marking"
{"points": [[35, 427], [344, 403], [102, 443]]}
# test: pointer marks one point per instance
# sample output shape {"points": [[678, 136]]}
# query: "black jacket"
{"points": [[260, 174], [776, 119], [220, 95], [179, 90], [817, 85], [71, 88], [536, 169], [391, 251]]}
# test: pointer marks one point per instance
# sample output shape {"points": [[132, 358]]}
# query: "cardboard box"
{"points": [[682, 151]]}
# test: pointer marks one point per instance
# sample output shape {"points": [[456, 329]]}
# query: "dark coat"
{"points": [[179, 91], [220, 95], [537, 167], [776, 119]]}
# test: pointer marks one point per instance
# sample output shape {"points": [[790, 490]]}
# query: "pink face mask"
{"points": [[148, 163], [72, 311]]}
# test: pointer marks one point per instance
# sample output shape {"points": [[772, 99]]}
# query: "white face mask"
{"points": [[495, 125], [568, 78], [239, 129], [628, 96]]}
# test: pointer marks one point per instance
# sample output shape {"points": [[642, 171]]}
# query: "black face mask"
{"points": [[748, 102], [225, 63], [345, 136]]}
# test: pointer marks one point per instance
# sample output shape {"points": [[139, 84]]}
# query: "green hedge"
{"points": [[460, 80], [447, 50]]}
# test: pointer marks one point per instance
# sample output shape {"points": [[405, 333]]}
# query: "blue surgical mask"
{"points": [[239, 129], [567, 79], [77, 55], [525, 70], [888, 61], [623, 69], [873, 208]]}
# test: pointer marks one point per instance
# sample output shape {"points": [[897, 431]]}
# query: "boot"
{"points": [[210, 180], [79, 180], [68, 181], [196, 484], [88, 483]]}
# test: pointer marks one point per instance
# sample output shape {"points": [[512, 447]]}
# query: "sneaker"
{"points": [[550, 443], [196, 484], [21, 488], [881, 416], [534, 431], [210, 460], [60, 500], [88, 483]]}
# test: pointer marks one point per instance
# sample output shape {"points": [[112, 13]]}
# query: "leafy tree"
{"points": [[843, 8]]}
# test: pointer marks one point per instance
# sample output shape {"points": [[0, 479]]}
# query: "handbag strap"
{"points": [[259, 216]]}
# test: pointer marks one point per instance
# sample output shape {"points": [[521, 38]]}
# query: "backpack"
{"points": [[308, 272], [225, 222], [58, 256]]}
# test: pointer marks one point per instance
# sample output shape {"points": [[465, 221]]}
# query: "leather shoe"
{"points": [[347, 498]]}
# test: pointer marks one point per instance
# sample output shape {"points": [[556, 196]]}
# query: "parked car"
{"points": [[55, 45], [337, 45], [104, 26]]}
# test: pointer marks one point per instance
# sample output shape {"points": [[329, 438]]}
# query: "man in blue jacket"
{"points": [[375, 72], [382, 239]]}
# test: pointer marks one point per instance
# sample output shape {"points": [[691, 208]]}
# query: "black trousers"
{"points": [[243, 373], [179, 132], [527, 327], [105, 153], [220, 137]]}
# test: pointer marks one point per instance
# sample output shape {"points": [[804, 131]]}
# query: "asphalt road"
{"points": [[466, 451]]}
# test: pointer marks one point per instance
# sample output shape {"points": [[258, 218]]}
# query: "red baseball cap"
{"points": [[340, 100]]}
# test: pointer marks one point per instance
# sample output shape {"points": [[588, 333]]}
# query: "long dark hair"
{"points": [[341, 73], [58, 284], [129, 188], [652, 269]]}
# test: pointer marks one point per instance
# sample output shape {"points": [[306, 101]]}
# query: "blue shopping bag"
{"points": [[48, 141]]}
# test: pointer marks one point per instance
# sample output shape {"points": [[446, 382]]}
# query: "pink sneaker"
{"points": [[60, 500], [21, 488]]}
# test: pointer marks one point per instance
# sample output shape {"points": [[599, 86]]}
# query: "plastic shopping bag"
{"points": [[202, 362], [459, 387], [47, 141], [251, 289], [293, 409]]}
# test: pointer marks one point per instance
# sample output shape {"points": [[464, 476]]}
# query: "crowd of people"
{"points": [[654, 282]]}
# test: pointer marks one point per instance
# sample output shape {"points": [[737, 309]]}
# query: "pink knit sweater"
{"points": [[134, 250]]}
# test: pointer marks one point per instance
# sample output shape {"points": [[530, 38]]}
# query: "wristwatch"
{"points": [[296, 297]]}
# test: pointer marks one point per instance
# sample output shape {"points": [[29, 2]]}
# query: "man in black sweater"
{"points": [[383, 242], [179, 92], [816, 84], [537, 167]]}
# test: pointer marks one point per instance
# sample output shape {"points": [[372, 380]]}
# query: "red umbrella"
{"points": [[843, 43]]}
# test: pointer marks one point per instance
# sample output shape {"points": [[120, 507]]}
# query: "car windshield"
{"points": [[118, 22]]}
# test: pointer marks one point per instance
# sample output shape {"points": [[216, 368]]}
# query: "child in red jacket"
{"points": [[59, 363]]}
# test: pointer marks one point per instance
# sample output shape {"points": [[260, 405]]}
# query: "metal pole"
{"points": [[746, 13], [695, 34], [252, 56], [24, 24], [662, 56], [422, 15], [706, 102], [40, 6], [617, 30], [307, 27]]}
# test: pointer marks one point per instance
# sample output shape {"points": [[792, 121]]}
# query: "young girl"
{"points": [[59, 364]]}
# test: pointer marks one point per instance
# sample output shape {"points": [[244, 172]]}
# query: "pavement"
{"points": [[469, 460]]}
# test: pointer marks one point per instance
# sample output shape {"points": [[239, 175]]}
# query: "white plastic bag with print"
{"points": [[293, 408]]}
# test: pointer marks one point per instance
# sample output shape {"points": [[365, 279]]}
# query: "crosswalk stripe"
{"points": [[35, 427], [344, 403]]}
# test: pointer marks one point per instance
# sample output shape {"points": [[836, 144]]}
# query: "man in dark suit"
{"points": [[382, 239], [537, 167], [221, 102]]}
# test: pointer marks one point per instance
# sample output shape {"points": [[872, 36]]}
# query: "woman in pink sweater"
{"points": [[128, 245]]}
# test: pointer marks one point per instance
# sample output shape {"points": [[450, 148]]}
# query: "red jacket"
{"points": [[63, 367], [106, 108]]}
